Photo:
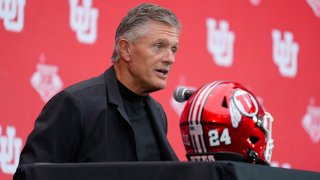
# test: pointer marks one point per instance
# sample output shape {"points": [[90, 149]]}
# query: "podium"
{"points": [[222, 170]]}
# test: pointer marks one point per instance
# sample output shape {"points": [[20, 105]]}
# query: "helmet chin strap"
{"points": [[253, 156]]}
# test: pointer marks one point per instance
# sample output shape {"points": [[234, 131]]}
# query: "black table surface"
{"points": [[219, 170]]}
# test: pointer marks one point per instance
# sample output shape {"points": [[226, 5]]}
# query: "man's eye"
{"points": [[158, 46], [174, 50]]}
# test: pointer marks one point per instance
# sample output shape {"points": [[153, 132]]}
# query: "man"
{"points": [[112, 117]]}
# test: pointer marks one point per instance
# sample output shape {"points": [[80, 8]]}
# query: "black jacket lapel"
{"points": [[113, 91]]}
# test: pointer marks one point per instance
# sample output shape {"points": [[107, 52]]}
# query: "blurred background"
{"points": [[271, 47]]}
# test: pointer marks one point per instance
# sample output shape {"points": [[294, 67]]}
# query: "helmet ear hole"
{"points": [[224, 102], [253, 139]]}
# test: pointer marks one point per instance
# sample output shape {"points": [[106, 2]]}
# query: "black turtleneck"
{"points": [[146, 142]]}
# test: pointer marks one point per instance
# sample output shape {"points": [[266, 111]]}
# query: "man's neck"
{"points": [[123, 76]]}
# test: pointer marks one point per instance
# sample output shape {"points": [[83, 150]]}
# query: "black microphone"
{"points": [[182, 94]]}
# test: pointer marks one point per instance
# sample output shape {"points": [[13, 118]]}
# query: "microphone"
{"points": [[182, 94]]}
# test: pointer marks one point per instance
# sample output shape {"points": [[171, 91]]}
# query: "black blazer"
{"points": [[87, 122]]}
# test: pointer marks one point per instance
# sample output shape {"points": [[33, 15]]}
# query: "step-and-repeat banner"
{"points": [[271, 47]]}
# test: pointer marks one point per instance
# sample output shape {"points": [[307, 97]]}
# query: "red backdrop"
{"points": [[271, 47]]}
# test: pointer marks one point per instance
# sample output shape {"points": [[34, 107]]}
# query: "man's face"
{"points": [[152, 56]]}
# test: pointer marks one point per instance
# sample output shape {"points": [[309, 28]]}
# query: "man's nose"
{"points": [[169, 57]]}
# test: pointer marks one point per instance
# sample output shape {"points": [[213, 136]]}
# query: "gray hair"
{"points": [[131, 26]]}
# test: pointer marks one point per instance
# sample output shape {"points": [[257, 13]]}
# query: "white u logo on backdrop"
{"points": [[83, 20], [12, 13], [285, 53], [220, 41], [10, 147]]}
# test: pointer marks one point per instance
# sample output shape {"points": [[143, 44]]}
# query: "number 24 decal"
{"points": [[215, 140]]}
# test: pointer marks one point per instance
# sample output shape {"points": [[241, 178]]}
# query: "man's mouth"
{"points": [[162, 71]]}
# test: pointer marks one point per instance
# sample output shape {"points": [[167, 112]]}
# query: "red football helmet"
{"points": [[224, 121]]}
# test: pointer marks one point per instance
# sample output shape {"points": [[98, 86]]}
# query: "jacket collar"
{"points": [[114, 97], [113, 92]]}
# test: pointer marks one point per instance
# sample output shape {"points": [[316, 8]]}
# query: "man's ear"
{"points": [[124, 49]]}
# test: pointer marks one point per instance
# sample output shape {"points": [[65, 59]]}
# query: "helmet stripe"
{"points": [[192, 120], [195, 113], [205, 97]]}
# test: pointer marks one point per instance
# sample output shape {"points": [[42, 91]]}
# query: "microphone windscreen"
{"points": [[179, 94]]}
